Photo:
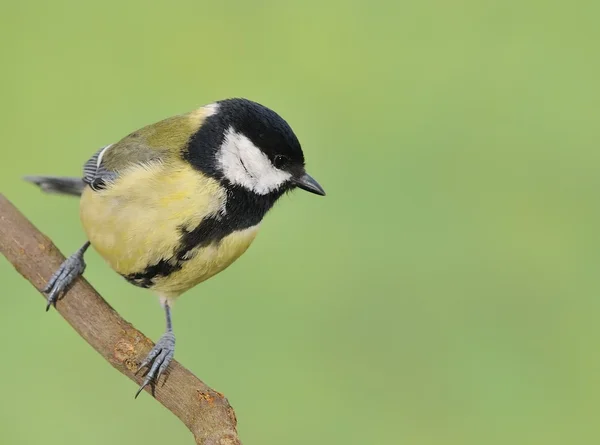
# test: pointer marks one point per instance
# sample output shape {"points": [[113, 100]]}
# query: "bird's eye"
{"points": [[280, 161]]}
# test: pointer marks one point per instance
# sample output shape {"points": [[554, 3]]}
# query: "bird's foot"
{"points": [[160, 356], [66, 274]]}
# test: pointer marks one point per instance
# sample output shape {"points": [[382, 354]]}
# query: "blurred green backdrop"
{"points": [[444, 292]]}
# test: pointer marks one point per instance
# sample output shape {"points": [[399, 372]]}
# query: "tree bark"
{"points": [[203, 410]]}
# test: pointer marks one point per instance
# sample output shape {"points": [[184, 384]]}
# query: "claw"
{"points": [[146, 382], [160, 356], [66, 274]]}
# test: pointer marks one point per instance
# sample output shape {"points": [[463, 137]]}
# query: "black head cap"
{"points": [[267, 131], [265, 128]]}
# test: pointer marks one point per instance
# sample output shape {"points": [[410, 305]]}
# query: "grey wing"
{"points": [[95, 174]]}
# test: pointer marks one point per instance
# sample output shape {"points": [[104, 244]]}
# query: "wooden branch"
{"points": [[203, 410]]}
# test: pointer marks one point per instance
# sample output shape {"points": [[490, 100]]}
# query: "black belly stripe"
{"points": [[210, 230], [243, 210], [146, 278]]}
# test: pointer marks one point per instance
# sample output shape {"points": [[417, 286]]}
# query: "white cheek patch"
{"points": [[244, 164]]}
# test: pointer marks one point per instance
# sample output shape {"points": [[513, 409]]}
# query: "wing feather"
{"points": [[95, 173]]}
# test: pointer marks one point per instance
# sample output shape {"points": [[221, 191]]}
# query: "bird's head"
{"points": [[248, 145]]}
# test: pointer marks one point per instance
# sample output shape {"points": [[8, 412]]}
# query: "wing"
{"points": [[95, 173], [162, 140]]}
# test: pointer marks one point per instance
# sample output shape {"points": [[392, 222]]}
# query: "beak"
{"points": [[306, 182]]}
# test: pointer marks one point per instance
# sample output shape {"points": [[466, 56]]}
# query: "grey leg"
{"points": [[65, 275], [161, 354]]}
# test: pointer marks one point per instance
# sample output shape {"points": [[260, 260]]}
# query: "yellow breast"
{"points": [[137, 221]]}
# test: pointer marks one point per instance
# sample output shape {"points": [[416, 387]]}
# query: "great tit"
{"points": [[176, 202]]}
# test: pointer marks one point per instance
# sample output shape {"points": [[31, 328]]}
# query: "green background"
{"points": [[444, 292]]}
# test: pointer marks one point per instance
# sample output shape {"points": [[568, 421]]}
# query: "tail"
{"points": [[56, 184]]}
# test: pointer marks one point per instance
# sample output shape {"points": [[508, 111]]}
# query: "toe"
{"points": [[52, 297], [151, 374], [151, 356], [54, 292], [52, 281], [62, 278], [160, 356], [155, 365], [165, 363]]}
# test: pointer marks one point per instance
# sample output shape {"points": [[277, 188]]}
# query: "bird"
{"points": [[174, 203]]}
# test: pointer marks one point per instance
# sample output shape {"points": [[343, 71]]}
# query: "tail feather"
{"points": [[57, 184]]}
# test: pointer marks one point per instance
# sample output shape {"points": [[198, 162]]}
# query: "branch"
{"points": [[203, 410]]}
